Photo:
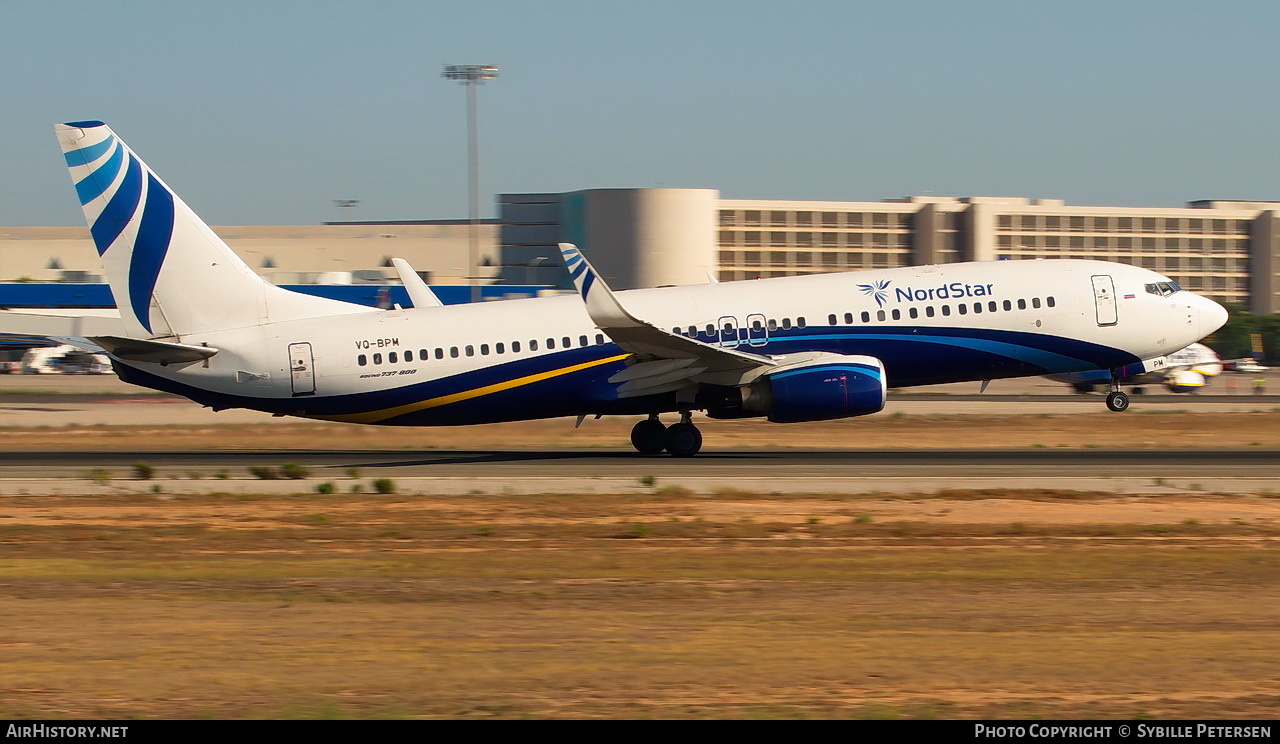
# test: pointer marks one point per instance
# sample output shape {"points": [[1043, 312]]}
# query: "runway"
{"points": [[763, 464]]}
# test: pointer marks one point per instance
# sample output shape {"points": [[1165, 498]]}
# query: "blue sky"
{"points": [[265, 112]]}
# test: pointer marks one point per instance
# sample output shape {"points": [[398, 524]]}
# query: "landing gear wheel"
{"points": [[649, 437], [683, 440], [1117, 401]]}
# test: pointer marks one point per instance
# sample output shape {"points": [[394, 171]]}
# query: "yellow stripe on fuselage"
{"points": [[372, 417]]}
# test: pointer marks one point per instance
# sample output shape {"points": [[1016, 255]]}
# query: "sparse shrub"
{"points": [[100, 476], [143, 471], [862, 519], [325, 487], [352, 472], [647, 481], [674, 492], [356, 488], [293, 471], [384, 485], [222, 475], [485, 531], [263, 472], [641, 529]]}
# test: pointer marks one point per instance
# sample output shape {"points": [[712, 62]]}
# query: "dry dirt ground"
{"points": [[664, 605], [660, 603]]}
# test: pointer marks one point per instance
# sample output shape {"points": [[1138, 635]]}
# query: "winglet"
{"points": [[419, 293], [602, 306]]}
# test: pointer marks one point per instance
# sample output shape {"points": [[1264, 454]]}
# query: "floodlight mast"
{"points": [[471, 76]]}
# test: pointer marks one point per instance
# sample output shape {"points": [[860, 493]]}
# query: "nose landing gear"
{"points": [[650, 437]]}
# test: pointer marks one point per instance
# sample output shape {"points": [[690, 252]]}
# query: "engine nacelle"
{"points": [[1184, 381], [828, 388]]}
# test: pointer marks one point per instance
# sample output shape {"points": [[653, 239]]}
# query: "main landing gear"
{"points": [[1116, 400], [650, 437]]}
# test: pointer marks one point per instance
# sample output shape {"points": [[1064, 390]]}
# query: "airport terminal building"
{"points": [[1227, 250]]}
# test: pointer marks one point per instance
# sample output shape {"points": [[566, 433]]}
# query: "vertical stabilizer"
{"points": [[170, 274]]}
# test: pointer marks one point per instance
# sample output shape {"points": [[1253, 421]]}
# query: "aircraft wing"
{"points": [[662, 361]]}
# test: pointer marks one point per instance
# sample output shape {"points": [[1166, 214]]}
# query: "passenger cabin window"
{"points": [[582, 340], [599, 338], [551, 343], [515, 347], [377, 359], [914, 312], [453, 352], [800, 322], [866, 317], [1008, 305], [392, 358], [879, 315], [362, 360], [1035, 303], [786, 324], [499, 348], [484, 349], [831, 319], [897, 314], [1050, 302], [471, 350], [962, 308], [439, 353], [946, 310], [977, 307], [533, 345], [408, 355], [1022, 304], [848, 318], [992, 306]]}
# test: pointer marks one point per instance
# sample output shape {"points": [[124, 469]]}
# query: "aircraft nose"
{"points": [[1212, 315]]}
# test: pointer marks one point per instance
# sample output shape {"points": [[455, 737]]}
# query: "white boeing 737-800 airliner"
{"points": [[202, 324]]}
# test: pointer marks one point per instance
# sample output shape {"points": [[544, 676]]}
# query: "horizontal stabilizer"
{"points": [[147, 350]]}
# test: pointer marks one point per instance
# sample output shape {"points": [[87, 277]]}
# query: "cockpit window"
{"points": [[1163, 289]]}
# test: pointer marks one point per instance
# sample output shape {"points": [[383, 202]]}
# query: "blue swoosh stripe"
{"points": [[92, 185], [586, 283], [149, 249], [1045, 359], [577, 271], [120, 209], [86, 155]]}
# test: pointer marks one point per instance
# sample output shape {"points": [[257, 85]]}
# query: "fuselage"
{"points": [[533, 358]]}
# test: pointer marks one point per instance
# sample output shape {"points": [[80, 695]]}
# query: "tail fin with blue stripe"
{"points": [[171, 275]]}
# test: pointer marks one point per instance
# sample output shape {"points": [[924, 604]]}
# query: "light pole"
{"points": [[471, 76]]}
